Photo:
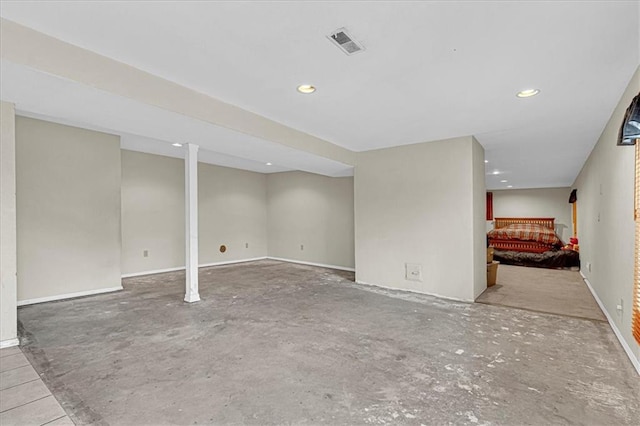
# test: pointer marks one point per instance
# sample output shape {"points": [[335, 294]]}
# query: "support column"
{"points": [[191, 222], [8, 259]]}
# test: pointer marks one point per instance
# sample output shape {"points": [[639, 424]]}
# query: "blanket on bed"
{"points": [[548, 259], [526, 232]]}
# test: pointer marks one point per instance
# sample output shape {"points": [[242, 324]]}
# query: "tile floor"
{"points": [[24, 398]]}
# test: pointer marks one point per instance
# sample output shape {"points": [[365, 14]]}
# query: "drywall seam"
{"points": [[453, 299], [9, 343], [181, 268], [634, 361], [68, 296], [321, 265]]}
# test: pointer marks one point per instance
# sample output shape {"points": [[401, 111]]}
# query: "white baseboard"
{"points": [[9, 343], [231, 262], [181, 268], [321, 265], [67, 296], [152, 272], [635, 361], [453, 299]]}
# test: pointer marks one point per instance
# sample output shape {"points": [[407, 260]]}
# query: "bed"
{"points": [[530, 241], [524, 234]]}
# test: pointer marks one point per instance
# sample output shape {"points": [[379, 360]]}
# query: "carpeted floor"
{"points": [[554, 291]]}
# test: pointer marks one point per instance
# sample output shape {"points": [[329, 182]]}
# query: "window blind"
{"points": [[635, 321]]}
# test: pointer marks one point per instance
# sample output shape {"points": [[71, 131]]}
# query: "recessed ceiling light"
{"points": [[509, 186], [176, 144], [268, 164], [527, 93], [306, 88], [495, 172], [503, 181], [486, 161]]}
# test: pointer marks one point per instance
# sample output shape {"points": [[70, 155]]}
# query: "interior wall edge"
{"points": [[478, 223], [8, 224]]}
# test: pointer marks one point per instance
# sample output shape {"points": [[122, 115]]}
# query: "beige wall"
{"points": [[544, 202], [152, 212], [231, 209], [313, 211], [415, 204], [605, 220], [68, 210], [8, 294], [479, 198]]}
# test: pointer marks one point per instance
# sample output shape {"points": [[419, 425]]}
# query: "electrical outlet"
{"points": [[246, 245], [145, 253], [620, 307], [589, 266], [301, 246], [413, 271]]}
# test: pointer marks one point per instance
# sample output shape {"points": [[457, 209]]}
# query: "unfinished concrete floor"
{"points": [[554, 291], [278, 343]]}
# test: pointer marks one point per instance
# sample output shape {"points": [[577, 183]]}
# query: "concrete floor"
{"points": [[554, 291], [277, 343]]}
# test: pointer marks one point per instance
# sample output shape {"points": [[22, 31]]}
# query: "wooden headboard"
{"points": [[501, 222]]}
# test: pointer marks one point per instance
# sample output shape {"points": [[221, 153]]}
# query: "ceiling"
{"points": [[431, 70], [150, 129]]}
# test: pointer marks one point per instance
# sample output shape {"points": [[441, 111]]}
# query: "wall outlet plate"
{"points": [[413, 271]]}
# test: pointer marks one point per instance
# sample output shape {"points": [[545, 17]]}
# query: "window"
{"points": [[630, 135]]}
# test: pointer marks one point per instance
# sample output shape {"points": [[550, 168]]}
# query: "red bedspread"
{"points": [[526, 232]]}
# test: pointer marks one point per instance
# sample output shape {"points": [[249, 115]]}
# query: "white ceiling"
{"points": [[431, 70], [147, 128]]}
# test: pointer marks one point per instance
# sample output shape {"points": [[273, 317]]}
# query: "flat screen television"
{"points": [[630, 130]]}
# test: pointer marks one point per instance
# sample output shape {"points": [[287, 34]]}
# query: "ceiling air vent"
{"points": [[345, 42]]}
